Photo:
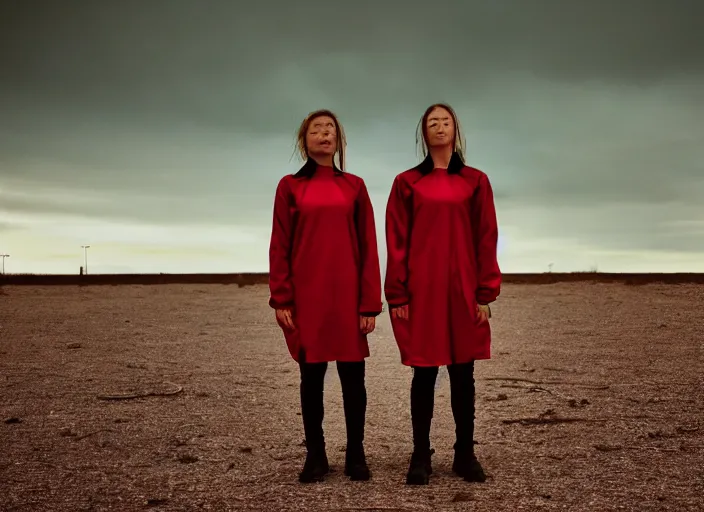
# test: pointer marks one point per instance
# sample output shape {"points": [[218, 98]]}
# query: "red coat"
{"points": [[441, 234], [324, 263]]}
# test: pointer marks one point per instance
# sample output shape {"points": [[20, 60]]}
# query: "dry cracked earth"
{"points": [[183, 397]]}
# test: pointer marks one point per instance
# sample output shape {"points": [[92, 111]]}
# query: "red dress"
{"points": [[441, 234], [324, 263]]}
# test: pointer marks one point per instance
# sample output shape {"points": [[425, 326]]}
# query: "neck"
{"points": [[441, 156], [323, 160]]}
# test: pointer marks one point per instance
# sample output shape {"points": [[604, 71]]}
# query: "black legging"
{"points": [[354, 396], [462, 399]]}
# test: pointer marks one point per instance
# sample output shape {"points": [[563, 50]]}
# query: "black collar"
{"points": [[308, 169], [455, 166]]}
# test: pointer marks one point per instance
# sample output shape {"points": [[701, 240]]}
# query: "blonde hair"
{"points": [[340, 133]]}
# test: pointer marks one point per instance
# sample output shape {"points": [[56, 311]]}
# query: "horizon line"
{"points": [[262, 278]]}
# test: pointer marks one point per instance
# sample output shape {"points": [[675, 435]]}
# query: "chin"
{"points": [[440, 144]]}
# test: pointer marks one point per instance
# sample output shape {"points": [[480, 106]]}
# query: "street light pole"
{"points": [[85, 256], [3, 256]]}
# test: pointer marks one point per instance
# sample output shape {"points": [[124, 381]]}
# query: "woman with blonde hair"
{"points": [[442, 273], [325, 285]]}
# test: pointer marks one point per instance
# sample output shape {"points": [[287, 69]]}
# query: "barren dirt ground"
{"points": [[592, 401]]}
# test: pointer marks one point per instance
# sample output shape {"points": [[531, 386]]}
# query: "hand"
{"points": [[483, 313], [285, 317], [367, 324], [400, 312]]}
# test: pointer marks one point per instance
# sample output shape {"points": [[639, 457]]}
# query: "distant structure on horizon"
{"points": [[85, 258]]}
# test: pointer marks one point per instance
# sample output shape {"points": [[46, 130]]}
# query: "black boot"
{"points": [[462, 389], [356, 464], [420, 468], [312, 379], [315, 467], [467, 466], [422, 405], [465, 463]]}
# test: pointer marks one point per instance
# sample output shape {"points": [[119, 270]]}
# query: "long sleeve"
{"points": [[398, 222], [486, 235], [370, 272], [280, 285]]}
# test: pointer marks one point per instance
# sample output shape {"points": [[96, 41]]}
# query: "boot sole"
{"points": [[469, 477], [414, 479], [311, 481], [358, 476], [313, 478]]}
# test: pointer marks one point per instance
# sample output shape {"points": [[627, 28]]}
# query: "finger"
{"points": [[289, 320]]}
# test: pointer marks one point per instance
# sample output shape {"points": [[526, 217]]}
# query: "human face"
{"points": [[321, 137], [440, 128]]}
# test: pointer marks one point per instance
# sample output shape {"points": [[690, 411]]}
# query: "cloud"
{"points": [[585, 115], [226, 66], [8, 226], [213, 209], [49, 241], [617, 227]]}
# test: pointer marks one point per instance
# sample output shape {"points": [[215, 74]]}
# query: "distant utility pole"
{"points": [[85, 256], [3, 256]]}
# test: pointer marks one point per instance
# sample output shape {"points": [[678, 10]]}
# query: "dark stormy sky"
{"points": [[156, 131]]}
